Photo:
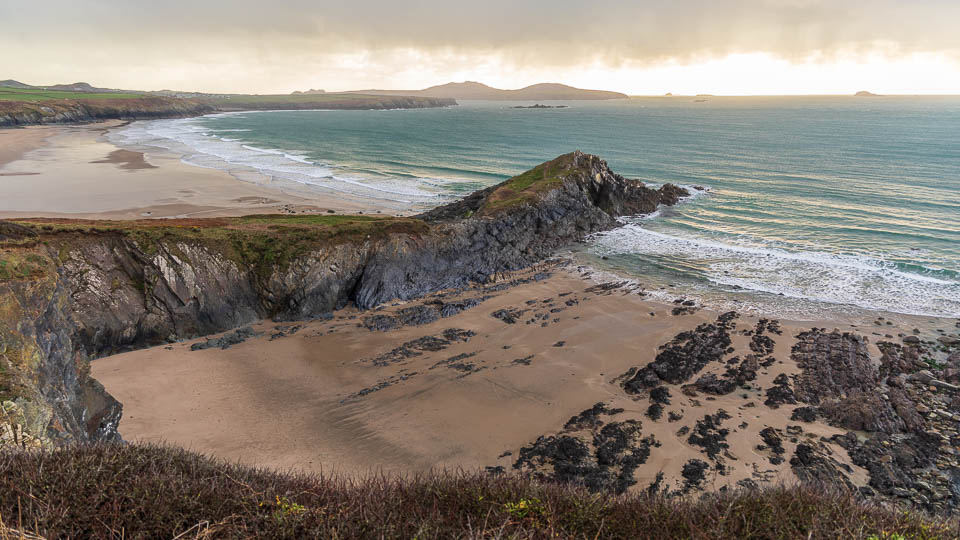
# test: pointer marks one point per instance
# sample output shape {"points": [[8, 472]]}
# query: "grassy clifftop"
{"points": [[52, 107], [529, 185], [260, 240], [40, 94]]}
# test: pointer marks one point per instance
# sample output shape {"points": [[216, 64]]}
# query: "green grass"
{"points": [[22, 264], [143, 491], [263, 242], [29, 94], [529, 185]]}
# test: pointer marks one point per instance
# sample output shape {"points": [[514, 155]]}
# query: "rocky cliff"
{"points": [[71, 111], [72, 291]]}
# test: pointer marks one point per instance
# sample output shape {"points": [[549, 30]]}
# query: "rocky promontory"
{"points": [[79, 110], [72, 291]]}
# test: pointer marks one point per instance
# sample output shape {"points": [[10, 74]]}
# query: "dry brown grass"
{"points": [[139, 491]]}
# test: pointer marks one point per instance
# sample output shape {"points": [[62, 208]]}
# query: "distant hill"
{"points": [[310, 91], [474, 90], [73, 87], [10, 83], [864, 93], [77, 87]]}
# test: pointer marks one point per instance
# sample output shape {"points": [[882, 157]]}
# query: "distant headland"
{"points": [[864, 93], [475, 90], [24, 104]]}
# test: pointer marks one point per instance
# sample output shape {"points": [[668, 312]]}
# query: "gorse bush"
{"points": [[145, 491]]}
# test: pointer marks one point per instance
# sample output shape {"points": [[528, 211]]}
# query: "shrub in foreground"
{"points": [[146, 491]]}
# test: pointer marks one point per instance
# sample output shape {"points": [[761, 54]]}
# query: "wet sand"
{"points": [[75, 172], [326, 399], [14, 143]]}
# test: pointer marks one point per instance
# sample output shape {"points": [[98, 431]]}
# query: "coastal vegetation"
{"points": [[147, 491], [525, 187], [41, 94], [256, 241]]}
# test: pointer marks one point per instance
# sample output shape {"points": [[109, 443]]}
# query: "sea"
{"points": [[811, 207]]}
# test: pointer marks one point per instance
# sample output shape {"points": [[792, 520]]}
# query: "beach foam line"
{"points": [[857, 280], [205, 147]]}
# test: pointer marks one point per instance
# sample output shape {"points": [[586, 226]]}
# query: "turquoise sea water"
{"points": [[820, 203]]}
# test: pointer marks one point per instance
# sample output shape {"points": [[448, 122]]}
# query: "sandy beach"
{"points": [[531, 361], [335, 397], [75, 172]]}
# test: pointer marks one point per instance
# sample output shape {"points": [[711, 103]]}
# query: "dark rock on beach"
{"points": [[684, 356], [780, 393], [832, 365], [804, 414], [709, 435], [605, 458], [508, 315], [227, 340], [812, 465]]}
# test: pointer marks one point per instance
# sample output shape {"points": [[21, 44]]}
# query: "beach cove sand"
{"points": [[336, 397], [75, 172]]}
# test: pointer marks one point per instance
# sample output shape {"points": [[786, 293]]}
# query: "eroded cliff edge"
{"points": [[75, 111], [72, 291]]}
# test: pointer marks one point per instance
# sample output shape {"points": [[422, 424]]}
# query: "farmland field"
{"points": [[31, 94]]}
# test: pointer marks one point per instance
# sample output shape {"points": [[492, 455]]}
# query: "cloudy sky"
{"points": [[637, 46]]}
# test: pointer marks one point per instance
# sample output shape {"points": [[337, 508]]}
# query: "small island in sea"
{"points": [[540, 106]]}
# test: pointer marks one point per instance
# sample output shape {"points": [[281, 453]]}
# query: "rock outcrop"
{"points": [[73, 291]]}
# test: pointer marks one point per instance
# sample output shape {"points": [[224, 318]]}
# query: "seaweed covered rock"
{"points": [[590, 451], [863, 412], [832, 365], [781, 393], [813, 465], [685, 356]]}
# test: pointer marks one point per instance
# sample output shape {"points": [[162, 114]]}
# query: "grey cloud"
{"points": [[639, 30], [539, 32]]}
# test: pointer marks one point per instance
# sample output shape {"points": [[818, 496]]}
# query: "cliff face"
{"points": [[69, 111], [74, 291], [76, 111]]}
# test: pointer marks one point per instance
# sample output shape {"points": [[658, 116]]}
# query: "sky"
{"points": [[724, 47]]}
